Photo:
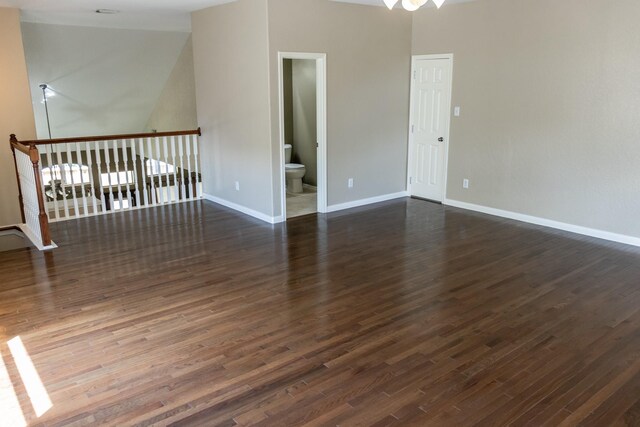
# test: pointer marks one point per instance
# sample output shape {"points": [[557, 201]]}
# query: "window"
{"points": [[117, 178], [124, 205], [156, 167], [67, 173]]}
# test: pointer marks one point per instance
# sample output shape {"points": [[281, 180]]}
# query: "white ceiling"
{"points": [[167, 15]]}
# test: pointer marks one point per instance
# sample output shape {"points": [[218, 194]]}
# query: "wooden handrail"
{"points": [[34, 156], [18, 145], [105, 137], [88, 156]]}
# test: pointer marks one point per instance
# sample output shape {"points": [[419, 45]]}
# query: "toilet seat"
{"points": [[293, 166]]}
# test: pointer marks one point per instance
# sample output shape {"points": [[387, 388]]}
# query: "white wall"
{"points": [[287, 99], [232, 84], [550, 101], [368, 66], [236, 61], [16, 115], [176, 107], [108, 81], [303, 82]]}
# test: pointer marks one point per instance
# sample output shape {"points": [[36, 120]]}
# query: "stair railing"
{"points": [[35, 220], [86, 176]]}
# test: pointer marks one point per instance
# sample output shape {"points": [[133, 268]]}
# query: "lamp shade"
{"points": [[412, 5], [390, 3]]}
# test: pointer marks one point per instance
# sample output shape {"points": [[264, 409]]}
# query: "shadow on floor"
{"points": [[13, 239]]}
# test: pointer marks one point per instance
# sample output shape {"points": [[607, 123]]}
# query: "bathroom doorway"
{"points": [[303, 133]]}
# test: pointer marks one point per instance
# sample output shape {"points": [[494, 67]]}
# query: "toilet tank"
{"points": [[287, 153]]}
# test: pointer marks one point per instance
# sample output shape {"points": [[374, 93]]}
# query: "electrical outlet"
{"points": [[465, 183], [237, 185], [350, 183], [456, 111]]}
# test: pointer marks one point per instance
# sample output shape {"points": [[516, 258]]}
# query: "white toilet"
{"points": [[293, 172]]}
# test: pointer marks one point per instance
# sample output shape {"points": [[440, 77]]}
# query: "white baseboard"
{"points": [[243, 209], [591, 232], [23, 230], [370, 200]]}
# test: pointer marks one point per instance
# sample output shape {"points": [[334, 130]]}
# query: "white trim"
{"points": [[11, 229], [29, 235], [321, 126], [370, 200], [414, 59], [243, 209], [585, 231]]}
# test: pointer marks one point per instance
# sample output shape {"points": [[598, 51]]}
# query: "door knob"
{"points": [[441, 139]]}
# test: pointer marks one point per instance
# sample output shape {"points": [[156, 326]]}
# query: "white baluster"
{"points": [[190, 187], [175, 197], [103, 204], [157, 156], [181, 154], [107, 160], [125, 159], [116, 160], [143, 173], [94, 202], [197, 162], [166, 170], [76, 211], [48, 149], [152, 187], [134, 160], [82, 182]]}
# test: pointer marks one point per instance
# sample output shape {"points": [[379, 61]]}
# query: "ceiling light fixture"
{"points": [[412, 5], [107, 11], [390, 3]]}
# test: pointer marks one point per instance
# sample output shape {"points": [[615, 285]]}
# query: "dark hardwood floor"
{"points": [[405, 313]]}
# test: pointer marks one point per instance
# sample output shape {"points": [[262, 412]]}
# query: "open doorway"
{"points": [[302, 133]]}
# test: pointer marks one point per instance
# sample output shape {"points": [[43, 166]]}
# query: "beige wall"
{"points": [[305, 151], [176, 106], [231, 72], [16, 114], [107, 80], [550, 101], [368, 65]]}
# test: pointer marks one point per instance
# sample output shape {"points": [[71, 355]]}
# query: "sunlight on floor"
{"points": [[30, 378], [9, 405]]}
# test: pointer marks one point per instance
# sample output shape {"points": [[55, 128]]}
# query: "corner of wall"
{"points": [[16, 112]]}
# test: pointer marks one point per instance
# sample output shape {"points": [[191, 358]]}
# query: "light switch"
{"points": [[456, 111]]}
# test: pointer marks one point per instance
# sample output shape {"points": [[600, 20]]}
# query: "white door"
{"points": [[430, 99]]}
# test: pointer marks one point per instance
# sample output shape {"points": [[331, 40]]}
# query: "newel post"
{"points": [[34, 155], [14, 140]]}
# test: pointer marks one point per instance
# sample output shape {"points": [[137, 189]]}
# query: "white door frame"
{"points": [[321, 125], [414, 59]]}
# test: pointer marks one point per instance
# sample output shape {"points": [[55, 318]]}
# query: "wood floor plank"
{"points": [[398, 314]]}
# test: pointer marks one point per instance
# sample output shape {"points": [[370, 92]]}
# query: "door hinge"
{"points": [[412, 128], [415, 73], [410, 180]]}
